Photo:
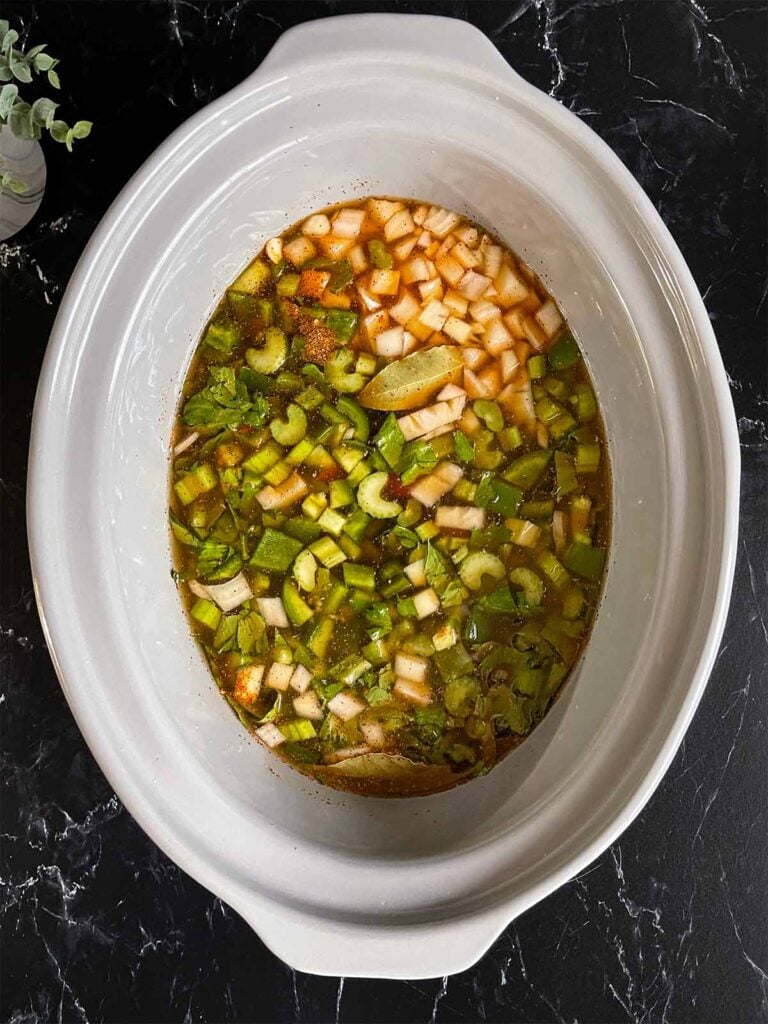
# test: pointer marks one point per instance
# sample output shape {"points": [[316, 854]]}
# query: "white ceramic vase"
{"points": [[25, 159]]}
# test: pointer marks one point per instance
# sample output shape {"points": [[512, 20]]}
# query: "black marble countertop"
{"points": [[670, 924]]}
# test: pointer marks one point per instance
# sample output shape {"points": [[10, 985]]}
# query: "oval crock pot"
{"points": [[341, 108]]}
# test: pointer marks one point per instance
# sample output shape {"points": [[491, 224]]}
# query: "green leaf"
{"points": [[35, 50], [19, 67], [42, 61], [8, 95], [436, 570], [390, 440], [59, 130], [418, 458], [20, 121], [9, 37], [43, 110], [464, 448], [81, 129], [53, 79]]}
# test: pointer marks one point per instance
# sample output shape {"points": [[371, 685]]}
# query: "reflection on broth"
{"points": [[389, 498]]}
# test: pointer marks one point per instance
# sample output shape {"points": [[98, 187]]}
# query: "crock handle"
{"points": [[418, 38], [318, 946]]}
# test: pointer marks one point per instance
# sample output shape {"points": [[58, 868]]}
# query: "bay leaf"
{"points": [[408, 383]]}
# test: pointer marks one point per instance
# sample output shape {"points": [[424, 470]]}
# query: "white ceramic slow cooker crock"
{"points": [[341, 108]]}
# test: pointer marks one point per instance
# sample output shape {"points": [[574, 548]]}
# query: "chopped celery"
{"points": [[427, 530], [376, 653], [341, 276], [350, 547], [331, 522], [527, 470], [564, 474], [584, 560], [340, 370], [222, 337], [537, 509], [552, 569], [328, 552], [359, 473], [343, 324], [359, 576], [584, 402], [349, 669], [587, 458], [357, 524], [490, 413], [320, 635], [564, 353], [303, 528], [310, 398], [275, 551], [497, 496], [206, 613], [380, 257], [314, 504], [296, 608], [288, 285], [341, 494], [305, 570], [531, 585], [370, 498], [356, 415], [264, 458], [536, 367], [300, 729], [291, 430], [271, 355]]}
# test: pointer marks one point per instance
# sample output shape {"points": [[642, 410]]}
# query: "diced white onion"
{"points": [[373, 733], [460, 517], [248, 683], [426, 602], [389, 343], [270, 735], [415, 573], [272, 611], [473, 285], [316, 225], [398, 225], [275, 250], [410, 666], [415, 693], [308, 706], [440, 222], [301, 679], [279, 676], [232, 594], [548, 318], [347, 223], [346, 705]]}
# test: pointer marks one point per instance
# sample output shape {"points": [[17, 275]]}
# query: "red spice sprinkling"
{"points": [[319, 341]]}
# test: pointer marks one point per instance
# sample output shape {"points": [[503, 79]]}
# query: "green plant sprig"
{"points": [[29, 120]]}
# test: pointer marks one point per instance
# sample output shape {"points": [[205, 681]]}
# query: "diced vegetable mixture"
{"points": [[390, 497]]}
